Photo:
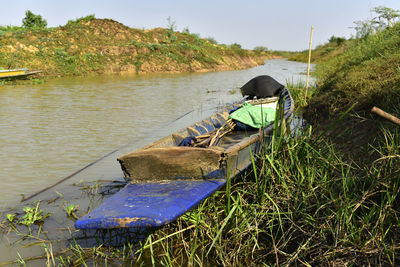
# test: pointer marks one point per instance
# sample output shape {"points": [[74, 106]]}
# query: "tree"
{"points": [[171, 24], [386, 17], [364, 28], [33, 21]]}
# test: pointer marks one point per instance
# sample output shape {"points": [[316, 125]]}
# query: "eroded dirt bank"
{"points": [[105, 46]]}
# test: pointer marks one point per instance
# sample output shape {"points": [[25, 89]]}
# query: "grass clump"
{"points": [[298, 92], [363, 75], [366, 71], [321, 53], [77, 21], [302, 203]]}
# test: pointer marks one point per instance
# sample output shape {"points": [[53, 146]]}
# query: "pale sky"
{"points": [[277, 25]]}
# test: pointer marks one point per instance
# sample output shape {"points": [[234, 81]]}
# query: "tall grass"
{"points": [[298, 91], [301, 203], [366, 72]]}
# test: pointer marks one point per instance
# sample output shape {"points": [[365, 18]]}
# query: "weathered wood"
{"points": [[245, 143], [385, 115], [263, 101], [171, 162]]}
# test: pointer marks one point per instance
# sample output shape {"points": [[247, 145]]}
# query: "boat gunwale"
{"points": [[226, 153], [250, 140], [255, 137]]}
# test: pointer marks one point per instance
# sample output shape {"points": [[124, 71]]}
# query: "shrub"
{"points": [[171, 24], [235, 46], [211, 40], [78, 20], [260, 49], [33, 21], [337, 40]]}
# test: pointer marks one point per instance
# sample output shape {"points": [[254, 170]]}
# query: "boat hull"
{"points": [[155, 203], [16, 73]]}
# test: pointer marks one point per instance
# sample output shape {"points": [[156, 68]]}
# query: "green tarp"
{"points": [[255, 116]]}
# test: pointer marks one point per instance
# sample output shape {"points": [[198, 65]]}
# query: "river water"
{"points": [[51, 130]]}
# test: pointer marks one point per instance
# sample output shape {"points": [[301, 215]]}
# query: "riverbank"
{"points": [[353, 76], [328, 196], [363, 73], [89, 45]]}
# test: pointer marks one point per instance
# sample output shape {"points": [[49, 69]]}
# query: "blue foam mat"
{"points": [[149, 204]]}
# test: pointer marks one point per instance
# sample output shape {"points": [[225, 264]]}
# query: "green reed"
{"points": [[298, 91], [300, 203]]}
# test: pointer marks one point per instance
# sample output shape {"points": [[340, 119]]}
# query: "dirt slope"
{"points": [[106, 46]]}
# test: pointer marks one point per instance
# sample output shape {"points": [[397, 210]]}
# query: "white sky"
{"points": [[278, 24]]}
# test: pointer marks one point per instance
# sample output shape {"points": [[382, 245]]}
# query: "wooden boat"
{"points": [[167, 179], [16, 73]]}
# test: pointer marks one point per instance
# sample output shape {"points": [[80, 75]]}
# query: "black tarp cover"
{"points": [[261, 86]]}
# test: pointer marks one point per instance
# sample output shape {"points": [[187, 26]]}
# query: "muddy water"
{"points": [[51, 130]]}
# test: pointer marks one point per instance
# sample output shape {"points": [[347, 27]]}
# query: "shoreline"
{"points": [[104, 46], [124, 70]]}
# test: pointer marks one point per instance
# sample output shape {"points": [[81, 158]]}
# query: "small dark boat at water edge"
{"points": [[172, 175]]}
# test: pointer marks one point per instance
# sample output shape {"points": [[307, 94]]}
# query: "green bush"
{"points": [[260, 49], [235, 46], [78, 20], [33, 21], [211, 40], [337, 40]]}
